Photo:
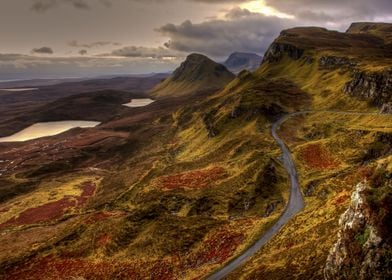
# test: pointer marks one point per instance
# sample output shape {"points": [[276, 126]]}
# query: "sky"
{"points": [[80, 38]]}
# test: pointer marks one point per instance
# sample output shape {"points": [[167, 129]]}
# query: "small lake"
{"points": [[17, 89], [44, 129], [140, 102]]}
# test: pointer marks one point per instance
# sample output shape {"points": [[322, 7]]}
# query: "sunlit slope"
{"points": [[333, 151], [186, 185]]}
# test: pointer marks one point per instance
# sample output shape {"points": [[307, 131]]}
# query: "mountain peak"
{"points": [[196, 73], [196, 66]]}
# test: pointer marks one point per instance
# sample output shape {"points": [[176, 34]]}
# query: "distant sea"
{"points": [[13, 80]]}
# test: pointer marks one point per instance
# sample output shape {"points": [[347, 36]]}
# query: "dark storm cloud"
{"points": [[244, 30], [76, 44], [218, 38], [42, 50]]}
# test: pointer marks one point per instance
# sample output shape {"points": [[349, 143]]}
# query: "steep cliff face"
{"points": [[276, 51], [363, 52], [363, 248], [375, 87], [332, 62]]}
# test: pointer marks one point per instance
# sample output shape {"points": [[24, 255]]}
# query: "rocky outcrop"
{"points": [[332, 62], [375, 87], [276, 51], [209, 124], [360, 251], [271, 207], [386, 108]]}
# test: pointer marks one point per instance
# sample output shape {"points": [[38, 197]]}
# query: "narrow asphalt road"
{"points": [[295, 205], [296, 201]]}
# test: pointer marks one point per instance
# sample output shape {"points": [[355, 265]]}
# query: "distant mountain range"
{"points": [[239, 61]]}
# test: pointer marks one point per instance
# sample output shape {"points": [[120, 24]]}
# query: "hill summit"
{"points": [[383, 30], [197, 73]]}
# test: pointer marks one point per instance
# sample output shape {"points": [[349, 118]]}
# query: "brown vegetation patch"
{"points": [[88, 190], [52, 267], [341, 199], [46, 212], [365, 172], [316, 156], [104, 240], [52, 210], [197, 179], [101, 216], [219, 247]]}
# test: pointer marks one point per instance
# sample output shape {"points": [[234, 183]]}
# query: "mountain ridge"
{"points": [[197, 73], [239, 61]]}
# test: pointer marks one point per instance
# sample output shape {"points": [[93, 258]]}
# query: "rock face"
{"points": [[375, 87], [276, 51], [332, 62], [360, 251], [197, 73], [208, 123], [243, 61], [365, 50], [386, 108]]}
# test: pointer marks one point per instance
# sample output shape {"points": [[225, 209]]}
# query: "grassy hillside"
{"points": [[177, 190]]}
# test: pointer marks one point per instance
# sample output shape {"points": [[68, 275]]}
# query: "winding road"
{"points": [[296, 201]]}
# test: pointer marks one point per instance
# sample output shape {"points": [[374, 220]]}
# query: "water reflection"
{"points": [[39, 130]]}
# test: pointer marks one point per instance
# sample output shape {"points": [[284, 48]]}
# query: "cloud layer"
{"points": [[92, 36], [241, 30], [76, 44]]}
